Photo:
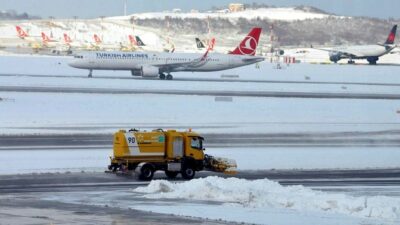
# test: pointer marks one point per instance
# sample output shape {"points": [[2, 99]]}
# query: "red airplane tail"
{"points": [[67, 39], [248, 46], [20, 32], [45, 38], [97, 39]]}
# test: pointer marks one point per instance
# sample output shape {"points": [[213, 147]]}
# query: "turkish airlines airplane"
{"points": [[154, 64], [48, 42], [369, 52], [33, 41]]}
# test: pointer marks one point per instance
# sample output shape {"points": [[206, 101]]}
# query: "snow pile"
{"points": [[269, 195]]}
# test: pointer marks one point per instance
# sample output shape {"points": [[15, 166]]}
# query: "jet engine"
{"points": [[372, 60], [150, 71], [335, 56]]}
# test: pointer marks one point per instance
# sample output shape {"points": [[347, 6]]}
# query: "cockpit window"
{"points": [[197, 143]]}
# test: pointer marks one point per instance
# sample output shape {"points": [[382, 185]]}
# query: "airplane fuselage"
{"points": [[365, 51], [165, 62]]}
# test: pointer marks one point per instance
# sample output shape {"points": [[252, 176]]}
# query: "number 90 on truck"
{"points": [[170, 151]]}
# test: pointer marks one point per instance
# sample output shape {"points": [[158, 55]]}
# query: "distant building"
{"points": [[236, 7]]}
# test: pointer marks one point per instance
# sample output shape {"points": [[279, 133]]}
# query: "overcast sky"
{"points": [[95, 8]]}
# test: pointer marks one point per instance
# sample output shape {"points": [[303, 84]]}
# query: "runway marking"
{"points": [[208, 80], [274, 94]]}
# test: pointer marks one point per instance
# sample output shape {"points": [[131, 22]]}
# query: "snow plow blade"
{"points": [[220, 165]]}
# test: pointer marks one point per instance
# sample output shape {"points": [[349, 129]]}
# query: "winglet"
{"points": [[211, 44], [392, 36], [248, 46]]}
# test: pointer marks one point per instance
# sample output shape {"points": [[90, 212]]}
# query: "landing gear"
{"points": [[372, 60], [162, 76], [90, 73], [351, 61]]}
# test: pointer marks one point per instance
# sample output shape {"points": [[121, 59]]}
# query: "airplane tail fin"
{"points": [[248, 46], [139, 41], [20, 32], [392, 36], [67, 39], [45, 38], [199, 44], [97, 39], [132, 40]]}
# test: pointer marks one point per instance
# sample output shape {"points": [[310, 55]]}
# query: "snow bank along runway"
{"points": [[252, 197]]}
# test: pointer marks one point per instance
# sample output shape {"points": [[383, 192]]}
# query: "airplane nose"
{"points": [[74, 63]]}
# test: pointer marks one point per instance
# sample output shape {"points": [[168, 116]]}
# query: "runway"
{"points": [[200, 79], [103, 141], [274, 94], [371, 180]]}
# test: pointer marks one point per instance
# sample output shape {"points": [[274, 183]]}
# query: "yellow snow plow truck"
{"points": [[171, 151]]}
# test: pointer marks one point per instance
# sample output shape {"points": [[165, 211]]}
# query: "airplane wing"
{"points": [[185, 65], [345, 52]]}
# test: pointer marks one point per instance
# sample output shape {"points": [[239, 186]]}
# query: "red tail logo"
{"points": [[132, 40], [67, 39], [392, 36], [249, 44], [45, 38], [97, 39], [21, 33]]}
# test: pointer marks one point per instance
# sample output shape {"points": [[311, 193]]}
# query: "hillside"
{"points": [[299, 26]]}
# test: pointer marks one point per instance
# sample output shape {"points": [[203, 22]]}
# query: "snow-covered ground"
{"points": [[260, 201], [243, 201], [24, 112]]}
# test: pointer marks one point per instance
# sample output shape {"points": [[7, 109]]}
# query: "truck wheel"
{"points": [[146, 172], [188, 173], [171, 174]]}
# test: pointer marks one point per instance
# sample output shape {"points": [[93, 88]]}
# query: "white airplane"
{"points": [[153, 64], [369, 52]]}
